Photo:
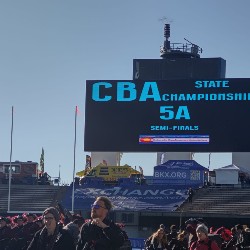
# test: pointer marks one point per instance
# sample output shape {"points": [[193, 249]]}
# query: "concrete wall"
{"points": [[166, 156]]}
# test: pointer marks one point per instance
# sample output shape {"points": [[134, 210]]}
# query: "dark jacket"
{"points": [[29, 230], [63, 241], [5, 233], [152, 244], [243, 240], [96, 238], [5, 237]]}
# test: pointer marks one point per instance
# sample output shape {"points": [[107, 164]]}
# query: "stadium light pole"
{"points": [[74, 166], [10, 167]]}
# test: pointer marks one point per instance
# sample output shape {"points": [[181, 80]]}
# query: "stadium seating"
{"points": [[27, 197], [227, 200]]}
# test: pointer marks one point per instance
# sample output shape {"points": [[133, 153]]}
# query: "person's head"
{"points": [[19, 220], [79, 222], [202, 232], [173, 228], [238, 227], [181, 236], [3, 222], [51, 218], [233, 230], [160, 235], [211, 230], [39, 222], [30, 217], [101, 207]]}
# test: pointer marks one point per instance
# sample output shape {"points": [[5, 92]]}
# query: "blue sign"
{"points": [[160, 197], [184, 172]]}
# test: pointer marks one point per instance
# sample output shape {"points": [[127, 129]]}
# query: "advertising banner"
{"points": [[165, 198]]}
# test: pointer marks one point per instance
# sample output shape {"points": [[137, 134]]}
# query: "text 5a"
{"points": [[174, 113]]}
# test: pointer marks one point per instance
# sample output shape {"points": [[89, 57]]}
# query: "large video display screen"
{"points": [[201, 115]]}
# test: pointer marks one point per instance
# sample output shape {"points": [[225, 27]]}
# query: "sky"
{"points": [[48, 49]]}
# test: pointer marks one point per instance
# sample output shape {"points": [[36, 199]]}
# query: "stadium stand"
{"points": [[227, 200], [29, 198]]}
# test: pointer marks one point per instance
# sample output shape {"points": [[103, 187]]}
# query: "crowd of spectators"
{"points": [[54, 230], [198, 236], [17, 232]]}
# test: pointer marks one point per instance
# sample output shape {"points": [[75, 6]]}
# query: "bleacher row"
{"points": [[220, 200], [27, 197]]}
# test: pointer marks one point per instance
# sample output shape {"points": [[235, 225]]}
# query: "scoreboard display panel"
{"points": [[194, 115]]}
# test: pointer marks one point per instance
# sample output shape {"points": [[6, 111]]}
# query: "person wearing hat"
{"points": [[52, 236], [18, 240], [30, 227], [17, 230], [5, 232], [203, 242], [100, 233]]}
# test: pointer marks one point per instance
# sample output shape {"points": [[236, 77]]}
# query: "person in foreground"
{"points": [[203, 242], [100, 233], [52, 236]]}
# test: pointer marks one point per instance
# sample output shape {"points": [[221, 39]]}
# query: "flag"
{"points": [[105, 162], [77, 110], [42, 161]]}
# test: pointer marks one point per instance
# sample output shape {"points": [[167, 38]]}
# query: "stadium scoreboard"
{"points": [[201, 115]]}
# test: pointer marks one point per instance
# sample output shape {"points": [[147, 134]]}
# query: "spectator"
{"points": [[157, 241], [30, 227], [52, 236], [39, 222], [5, 232], [182, 241], [191, 229], [173, 233], [100, 233], [190, 195], [17, 230], [172, 237], [203, 242], [18, 240], [243, 238], [73, 230], [79, 220]]}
